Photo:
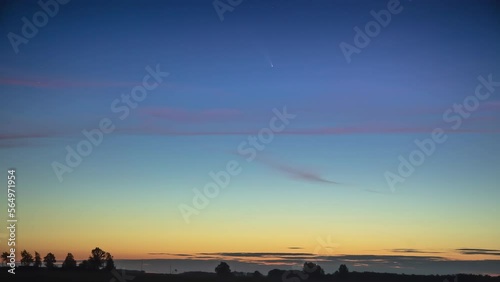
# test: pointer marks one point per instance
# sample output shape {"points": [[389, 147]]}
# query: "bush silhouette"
{"points": [[223, 269]]}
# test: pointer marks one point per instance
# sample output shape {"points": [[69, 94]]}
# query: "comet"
{"points": [[269, 60]]}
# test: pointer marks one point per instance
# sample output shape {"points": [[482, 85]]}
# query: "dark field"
{"points": [[59, 275]]}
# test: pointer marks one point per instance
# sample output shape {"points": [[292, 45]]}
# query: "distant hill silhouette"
{"points": [[310, 273]]}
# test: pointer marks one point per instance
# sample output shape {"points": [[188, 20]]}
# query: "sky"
{"points": [[263, 133]]}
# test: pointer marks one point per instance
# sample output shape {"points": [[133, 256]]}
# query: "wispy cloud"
{"points": [[303, 174], [295, 172], [170, 254], [48, 83], [491, 106], [467, 251], [415, 251], [18, 144], [258, 254], [317, 131], [181, 115], [11, 136]]}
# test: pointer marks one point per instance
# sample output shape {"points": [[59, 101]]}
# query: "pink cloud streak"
{"points": [[295, 172], [150, 130], [43, 83], [180, 115], [319, 131]]}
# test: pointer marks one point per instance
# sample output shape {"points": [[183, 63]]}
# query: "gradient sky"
{"points": [[352, 122]]}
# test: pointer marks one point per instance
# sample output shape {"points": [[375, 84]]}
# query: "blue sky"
{"points": [[225, 78]]}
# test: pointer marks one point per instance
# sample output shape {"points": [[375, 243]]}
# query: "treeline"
{"points": [[97, 260], [313, 272]]}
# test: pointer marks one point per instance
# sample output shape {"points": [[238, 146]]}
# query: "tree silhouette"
{"points": [[257, 274], [223, 269], [343, 271], [84, 264], [5, 257], [49, 260], [38, 260], [97, 258], [110, 264], [69, 261], [313, 270], [276, 275], [26, 258]]}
